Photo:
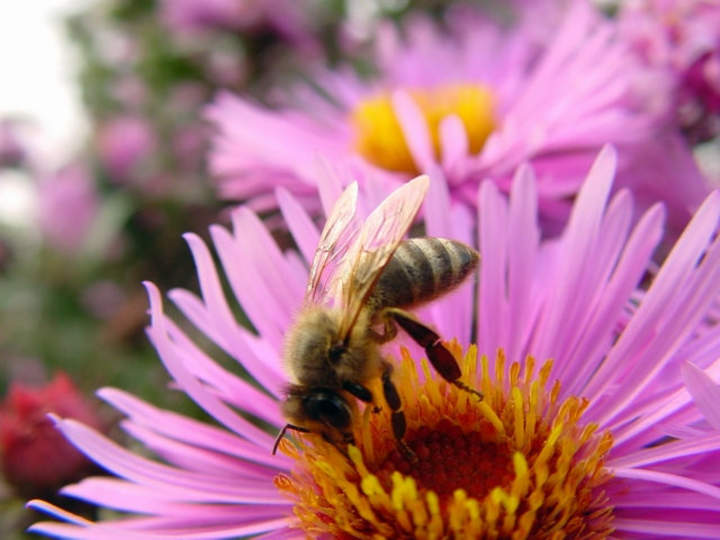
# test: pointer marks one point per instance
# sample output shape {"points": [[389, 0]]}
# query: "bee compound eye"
{"points": [[329, 408]]}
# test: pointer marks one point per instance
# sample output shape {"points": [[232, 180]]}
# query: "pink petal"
{"points": [[182, 428], [658, 528], [704, 391], [169, 355], [666, 479], [299, 223], [415, 130]]}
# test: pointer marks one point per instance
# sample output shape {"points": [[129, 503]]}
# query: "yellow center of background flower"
{"points": [[379, 137], [517, 464]]}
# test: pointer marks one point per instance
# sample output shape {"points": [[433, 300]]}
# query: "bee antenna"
{"points": [[282, 432]]}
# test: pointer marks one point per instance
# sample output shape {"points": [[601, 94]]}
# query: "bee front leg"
{"points": [[282, 432], [440, 357], [397, 416], [360, 392]]}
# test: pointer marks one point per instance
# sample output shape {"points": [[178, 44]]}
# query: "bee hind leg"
{"points": [[389, 329], [440, 357]]}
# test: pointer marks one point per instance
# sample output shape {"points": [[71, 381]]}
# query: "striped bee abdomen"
{"points": [[422, 269]]}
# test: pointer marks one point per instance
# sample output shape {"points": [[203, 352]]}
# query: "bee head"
{"points": [[318, 406]]}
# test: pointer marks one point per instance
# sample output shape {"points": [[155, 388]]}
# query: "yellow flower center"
{"points": [[515, 465], [379, 137]]}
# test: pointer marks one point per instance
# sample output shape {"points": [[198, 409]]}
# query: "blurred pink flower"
{"points": [[36, 458], [573, 299], [188, 15], [124, 143], [290, 19], [12, 150], [467, 106], [67, 206], [681, 39]]}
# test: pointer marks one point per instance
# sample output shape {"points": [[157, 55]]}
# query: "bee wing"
{"points": [[335, 239], [376, 242]]}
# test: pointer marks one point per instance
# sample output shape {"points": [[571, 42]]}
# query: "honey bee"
{"points": [[333, 349]]}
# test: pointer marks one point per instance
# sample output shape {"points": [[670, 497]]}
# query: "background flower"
{"points": [[36, 458], [681, 40], [67, 205], [495, 99]]}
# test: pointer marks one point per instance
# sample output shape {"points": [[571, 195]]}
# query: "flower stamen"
{"points": [[379, 135], [515, 465]]}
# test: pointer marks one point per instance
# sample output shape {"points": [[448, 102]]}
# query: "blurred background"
{"points": [[103, 150]]}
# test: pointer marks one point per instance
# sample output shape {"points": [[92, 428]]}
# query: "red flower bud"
{"points": [[36, 458]]}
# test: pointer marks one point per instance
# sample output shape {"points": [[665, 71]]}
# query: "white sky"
{"points": [[37, 67], [37, 71]]}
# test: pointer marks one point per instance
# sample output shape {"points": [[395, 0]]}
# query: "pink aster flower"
{"points": [[468, 106], [292, 20], [605, 439], [67, 206], [124, 143], [681, 39]]}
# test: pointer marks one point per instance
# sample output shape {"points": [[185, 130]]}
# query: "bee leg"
{"points": [[389, 331], [397, 416], [360, 392], [340, 447], [281, 434], [440, 357]]}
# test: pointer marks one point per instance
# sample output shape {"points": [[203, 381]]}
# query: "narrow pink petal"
{"points": [[191, 431], [162, 529], [287, 533], [160, 339], [128, 497], [239, 121], [625, 277], [59, 530], [493, 216], [188, 485], [436, 209], [666, 479], [681, 319], [210, 286], [704, 391], [231, 387], [226, 329], [329, 183], [632, 499], [415, 130], [570, 299], [667, 451], [668, 293], [584, 331], [524, 239], [191, 458], [658, 528], [255, 243], [55, 511], [453, 142], [664, 407], [260, 306], [299, 223]]}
